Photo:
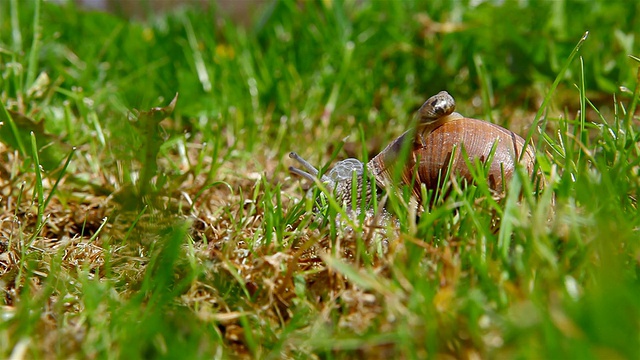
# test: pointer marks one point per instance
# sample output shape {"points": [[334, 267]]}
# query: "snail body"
{"points": [[437, 147]]}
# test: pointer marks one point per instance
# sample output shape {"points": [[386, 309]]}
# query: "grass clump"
{"points": [[133, 225]]}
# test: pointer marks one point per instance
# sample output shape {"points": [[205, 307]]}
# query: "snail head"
{"points": [[436, 107], [340, 173], [338, 180]]}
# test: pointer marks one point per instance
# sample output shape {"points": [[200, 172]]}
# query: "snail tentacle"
{"points": [[312, 170], [302, 173]]}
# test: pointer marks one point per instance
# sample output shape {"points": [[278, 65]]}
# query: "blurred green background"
{"points": [[350, 63]]}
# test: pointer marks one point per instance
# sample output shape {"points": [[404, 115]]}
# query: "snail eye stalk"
{"points": [[302, 173], [313, 172]]}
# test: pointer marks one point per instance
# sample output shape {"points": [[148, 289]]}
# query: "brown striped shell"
{"points": [[432, 153]]}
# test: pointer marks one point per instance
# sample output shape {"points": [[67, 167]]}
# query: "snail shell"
{"points": [[430, 157], [437, 147]]}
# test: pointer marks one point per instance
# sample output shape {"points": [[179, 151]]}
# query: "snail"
{"points": [[436, 147]]}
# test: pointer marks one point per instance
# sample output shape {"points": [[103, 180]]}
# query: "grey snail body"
{"points": [[435, 148]]}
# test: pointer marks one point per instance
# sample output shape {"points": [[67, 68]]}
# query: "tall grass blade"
{"points": [[198, 59], [16, 34], [634, 101], [32, 65], [6, 118], [549, 95], [62, 172], [38, 186]]}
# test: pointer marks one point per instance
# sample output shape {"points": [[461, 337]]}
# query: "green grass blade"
{"points": [[16, 34], [549, 95], [5, 117], [32, 65], [95, 234], [62, 172], [634, 101], [38, 186], [198, 59]]}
